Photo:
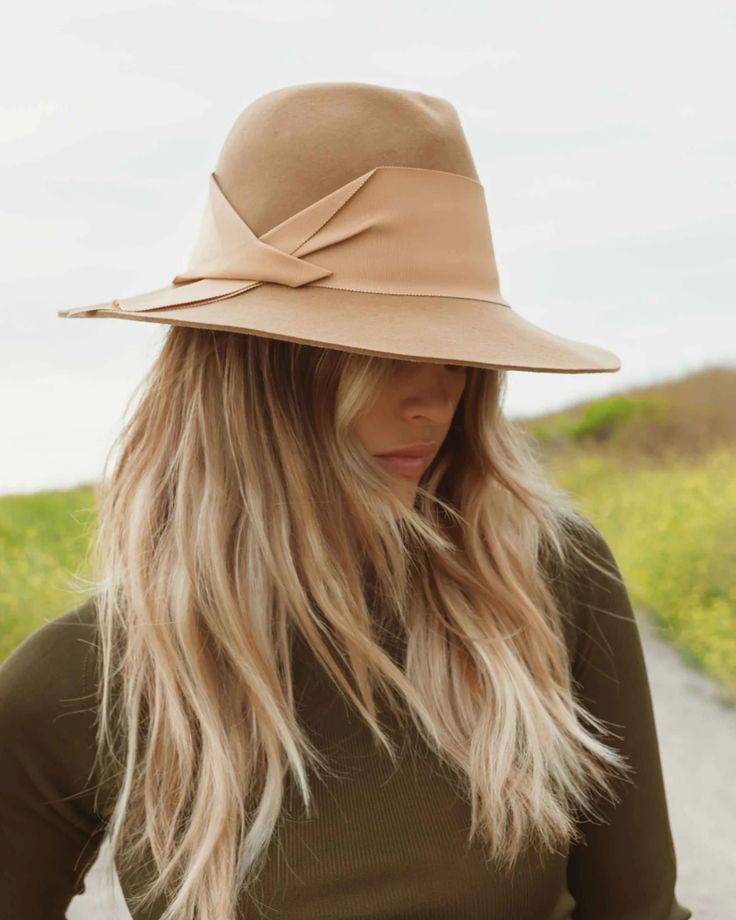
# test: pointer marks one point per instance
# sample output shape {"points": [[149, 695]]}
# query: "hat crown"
{"points": [[351, 216], [296, 144]]}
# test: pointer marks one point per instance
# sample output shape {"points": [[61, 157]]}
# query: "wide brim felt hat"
{"points": [[351, 216]]}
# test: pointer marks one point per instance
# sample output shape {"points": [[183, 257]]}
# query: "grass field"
{"points": [[673, 531], [43, 542], [654, 470]]}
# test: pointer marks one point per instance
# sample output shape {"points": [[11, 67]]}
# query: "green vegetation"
{"points": [[655, 470], [601, 420], [673, 531], [43, 543]]}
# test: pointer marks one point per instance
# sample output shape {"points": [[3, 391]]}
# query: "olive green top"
{"points": [[381, 843]]}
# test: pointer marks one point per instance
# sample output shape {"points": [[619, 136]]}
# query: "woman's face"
{"points": [[416, 405]]}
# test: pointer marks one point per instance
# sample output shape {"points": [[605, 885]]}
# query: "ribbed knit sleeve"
{"points": [[49, 832], [625, 869]]}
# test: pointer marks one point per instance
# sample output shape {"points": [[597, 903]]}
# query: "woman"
{"points": [[314, 680]]}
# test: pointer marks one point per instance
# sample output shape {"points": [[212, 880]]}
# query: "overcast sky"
{"points": [[603, 134]]}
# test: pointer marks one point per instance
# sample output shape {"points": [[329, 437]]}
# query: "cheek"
{"points": [[371, 425]]}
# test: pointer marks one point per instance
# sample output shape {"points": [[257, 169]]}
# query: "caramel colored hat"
{"points": [[351, 216]]}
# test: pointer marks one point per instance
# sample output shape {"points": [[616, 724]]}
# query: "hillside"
{"points": [[677, 419], [654, 468]]}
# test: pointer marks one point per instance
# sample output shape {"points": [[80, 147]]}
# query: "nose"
{"points": [[432, 393]]}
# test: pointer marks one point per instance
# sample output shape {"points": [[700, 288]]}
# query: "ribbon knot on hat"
{"points": [[397, 261], [228, 248]]}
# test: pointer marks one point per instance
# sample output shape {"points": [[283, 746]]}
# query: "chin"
{"points": [[407, 489]]}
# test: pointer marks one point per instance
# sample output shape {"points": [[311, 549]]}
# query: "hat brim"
{"points": [[407, 326]]}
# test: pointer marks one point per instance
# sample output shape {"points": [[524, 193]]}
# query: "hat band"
{"points": [[393, 230]]}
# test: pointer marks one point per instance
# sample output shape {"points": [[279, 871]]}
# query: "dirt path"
{"points": [[697, 738]]}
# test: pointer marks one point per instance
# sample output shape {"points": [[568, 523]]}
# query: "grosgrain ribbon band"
{"points": [[393, 230]]}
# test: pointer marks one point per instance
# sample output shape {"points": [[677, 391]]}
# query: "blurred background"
{"points": [[602, 137]]}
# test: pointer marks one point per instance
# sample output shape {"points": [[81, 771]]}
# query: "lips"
{"points": [[411, 460], [419, 451]]}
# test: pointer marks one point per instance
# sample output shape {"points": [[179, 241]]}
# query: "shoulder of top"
{"points": [[60, 649], [588, 581], [78, 624], [590, 554]]}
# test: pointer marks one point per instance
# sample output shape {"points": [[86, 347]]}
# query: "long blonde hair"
{"points": [[240, 508]]}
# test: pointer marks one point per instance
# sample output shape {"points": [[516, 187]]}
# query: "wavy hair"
{"points": [[241, 508]]}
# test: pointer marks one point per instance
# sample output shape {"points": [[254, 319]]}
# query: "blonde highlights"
{"points": [[241, 508]]}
